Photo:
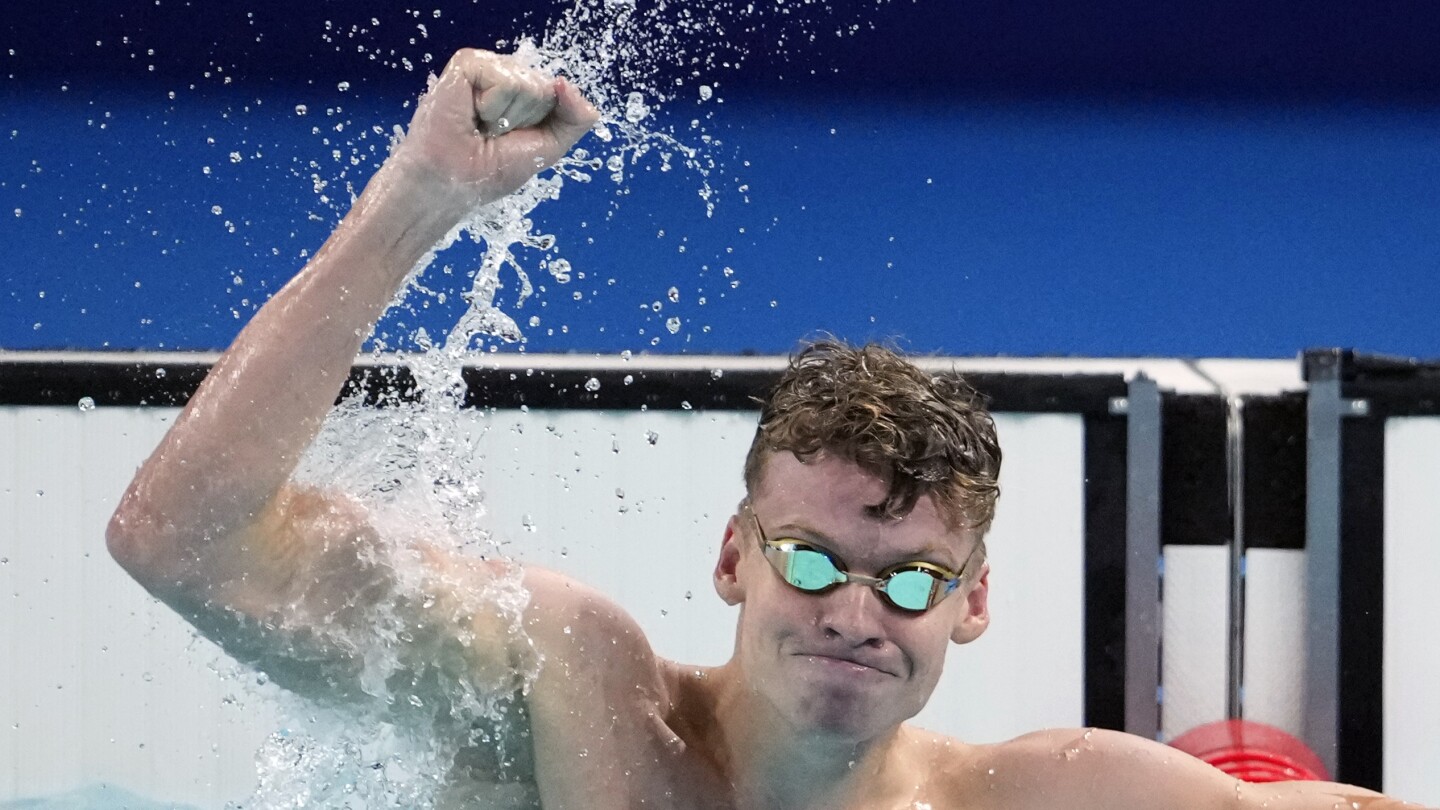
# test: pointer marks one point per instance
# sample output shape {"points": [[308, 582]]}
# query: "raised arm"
{"points": [[209, 523]]}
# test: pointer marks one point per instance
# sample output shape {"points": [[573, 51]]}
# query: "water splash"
{"points": [[418, 715]]}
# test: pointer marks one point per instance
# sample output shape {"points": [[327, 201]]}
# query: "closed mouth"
{"points": [[847, 660]]}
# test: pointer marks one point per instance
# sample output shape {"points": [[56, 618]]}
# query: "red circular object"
{"points": [[1253, 752]]}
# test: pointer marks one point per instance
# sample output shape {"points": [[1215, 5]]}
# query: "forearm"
{"points": [[244, 431], [1319, 796], [242, 434]]}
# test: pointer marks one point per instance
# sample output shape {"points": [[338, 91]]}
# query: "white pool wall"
{"points": [[100, 683]]}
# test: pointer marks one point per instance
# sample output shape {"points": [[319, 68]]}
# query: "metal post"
{"points": [[1235, 479], [1324, 412], [1142, 568]]}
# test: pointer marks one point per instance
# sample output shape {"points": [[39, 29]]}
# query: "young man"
{"points": [[856, 558]]}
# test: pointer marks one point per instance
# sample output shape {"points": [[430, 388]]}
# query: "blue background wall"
{"points": [[1000, 177]]}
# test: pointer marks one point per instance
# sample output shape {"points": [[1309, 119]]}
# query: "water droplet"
{"points": [[706, 92], [629, 378], [619, 493], [592, 384], [502, 123], [86, 404], [216, 210], [560, 269], [716, 374], [689, 596], [674, 295], [146, 677], [343, 87], [301, 109], [416, 701], [652, 437], [635, 108], [160, 373], [529, 523], [672, 324]]}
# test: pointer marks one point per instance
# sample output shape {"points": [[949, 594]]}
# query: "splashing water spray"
{"points": [[415, 466]]}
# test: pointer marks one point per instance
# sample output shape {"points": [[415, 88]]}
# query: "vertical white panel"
{"points": [[1196, 609], [1412, 573], [1028, 671], [101, 683], [1275, 638]]}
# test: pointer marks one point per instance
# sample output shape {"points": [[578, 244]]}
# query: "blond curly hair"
{"points": [[922, 434]]}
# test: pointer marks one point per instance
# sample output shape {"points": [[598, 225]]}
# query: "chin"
{"points": [[841, 719]]}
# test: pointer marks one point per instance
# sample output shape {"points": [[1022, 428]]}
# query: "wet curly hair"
{"points": [[922, 434]]}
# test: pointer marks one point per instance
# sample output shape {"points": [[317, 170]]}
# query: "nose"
{"points": [[853, 613]]}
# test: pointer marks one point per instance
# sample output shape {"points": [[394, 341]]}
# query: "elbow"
{"points": [[124, 541], [136, 542]]}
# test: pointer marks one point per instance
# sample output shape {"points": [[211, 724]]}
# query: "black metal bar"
{"points": [[549, 384], [1105, 567], [1361, 627]]}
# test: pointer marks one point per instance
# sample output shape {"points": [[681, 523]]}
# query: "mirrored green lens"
{"points": [[810, 570], [910, 589]]}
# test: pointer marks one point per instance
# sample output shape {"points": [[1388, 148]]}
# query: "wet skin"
{"points": [[808, 713]]}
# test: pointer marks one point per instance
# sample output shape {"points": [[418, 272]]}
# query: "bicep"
{"points": [[312, 595], [310, 555], [288, 593]]}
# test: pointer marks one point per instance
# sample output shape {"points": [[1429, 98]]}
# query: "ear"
{"points": [[727, 566], [971, 623]]}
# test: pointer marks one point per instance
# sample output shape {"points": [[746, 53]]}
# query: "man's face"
{"points": [[843, 663]]}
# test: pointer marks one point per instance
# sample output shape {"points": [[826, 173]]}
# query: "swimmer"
{"points": [[856, 557]]}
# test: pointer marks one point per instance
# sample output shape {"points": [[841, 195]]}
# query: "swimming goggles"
{"points": [[913, 587]]}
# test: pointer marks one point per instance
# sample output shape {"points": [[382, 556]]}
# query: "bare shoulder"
{"points": [[592, 643], [603, 705]]}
